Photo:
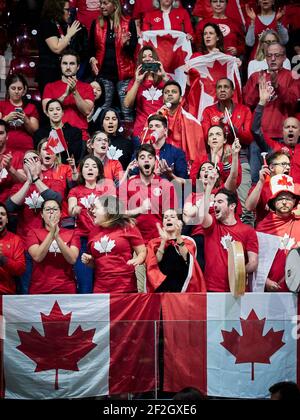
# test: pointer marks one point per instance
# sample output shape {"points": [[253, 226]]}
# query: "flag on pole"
{"points": [[56, 142]]}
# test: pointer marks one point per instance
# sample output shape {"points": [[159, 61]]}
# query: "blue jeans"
{"points": [[84, 274], [121, 87], [23, 282]]}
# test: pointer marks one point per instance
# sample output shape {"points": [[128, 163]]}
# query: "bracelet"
{"points": [[34, 180]]}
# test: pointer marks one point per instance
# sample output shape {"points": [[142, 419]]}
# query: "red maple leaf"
{"points": [[252, 347], [285, 182], [215, 73], [170, 59], [56, 349]]}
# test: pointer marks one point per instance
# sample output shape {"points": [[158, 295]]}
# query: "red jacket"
{"points": [[281, 106], [179, 20], [241, 119], [126, 66], [14, 264]]}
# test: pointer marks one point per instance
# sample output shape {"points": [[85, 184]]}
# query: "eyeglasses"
{"points": [[283, 164], [274, 55], [51, 209]]}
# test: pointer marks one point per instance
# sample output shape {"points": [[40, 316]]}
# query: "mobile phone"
{"points": [[19, 110], [151, 67]]}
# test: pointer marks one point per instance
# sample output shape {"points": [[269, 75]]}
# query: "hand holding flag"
{"points": [[56, 142]]}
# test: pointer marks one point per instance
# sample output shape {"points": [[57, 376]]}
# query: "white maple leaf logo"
{"points": [[113, 153], [105, 245], [152, 94], [34, 201], [88, 201], [54, 248], [3, 174], [224, 240], [287, 243]]}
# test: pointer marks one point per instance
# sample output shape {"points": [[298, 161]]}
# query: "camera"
{"points": [[151, 67]]}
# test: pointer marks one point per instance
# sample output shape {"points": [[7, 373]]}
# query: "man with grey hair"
{"points": [[283, 88]]}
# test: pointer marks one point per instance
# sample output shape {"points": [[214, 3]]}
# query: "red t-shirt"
{"points": [[87, 11], [113, 170], [162, 195], [30, 216], [216, 255], [149, 99], [111, 248], [6, 180], [85, 199], [71, 113], [13, 250], [54, 275], [231, 30], [18, 138], [60, 173]]}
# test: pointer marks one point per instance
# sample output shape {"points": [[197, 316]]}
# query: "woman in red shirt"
{"points": [[112, 248], [81, 201], [54, 251], [21, 116], [168, 16], [145, 91]]}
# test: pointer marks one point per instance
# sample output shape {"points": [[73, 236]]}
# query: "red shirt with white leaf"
{"points": [[149, 99], [85, 199], [60, 275], [216, 268], [30, 216], [111, 249], [162, 196]]}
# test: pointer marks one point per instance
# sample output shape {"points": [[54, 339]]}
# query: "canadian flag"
{"points": [[230, 347], [78, 346], [204, 72], [56, 142], [173, 49]]}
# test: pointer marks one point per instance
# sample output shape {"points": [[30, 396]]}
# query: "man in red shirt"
{"points": [[12, 259], [76, 96], [147, 196], [241, 117], [289, 138], [185, 131], [283, 88], [219, 229], [10, 163]]}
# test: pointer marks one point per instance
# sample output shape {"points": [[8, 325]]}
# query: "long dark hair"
{"points": [[220, 41], [103, 115], [53, 9], [81, 180], [13, 78]]}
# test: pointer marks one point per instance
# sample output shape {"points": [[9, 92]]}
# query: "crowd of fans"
{"points": [[145, 196]]}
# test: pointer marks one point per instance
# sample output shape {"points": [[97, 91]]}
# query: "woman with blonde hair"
{"points": [[169, 15], [260, 63], [112, 248], [113, 40]]}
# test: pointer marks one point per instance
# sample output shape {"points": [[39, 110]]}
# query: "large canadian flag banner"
{"points": [[231, 347], [78, 346]]}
